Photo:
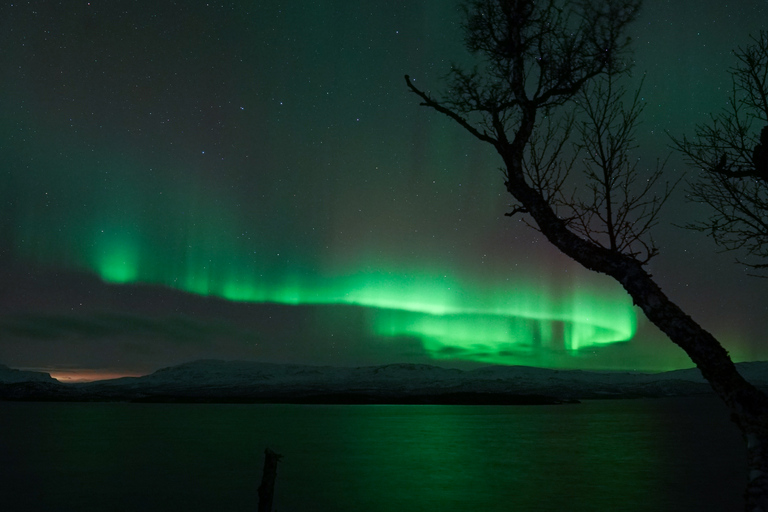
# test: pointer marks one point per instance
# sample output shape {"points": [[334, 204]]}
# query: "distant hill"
{"points": [[242, 381], [10, 376]]}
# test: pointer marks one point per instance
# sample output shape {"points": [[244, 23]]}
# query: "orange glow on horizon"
{"points": [[87, 375]]}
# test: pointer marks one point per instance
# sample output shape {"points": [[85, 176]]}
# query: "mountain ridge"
{"points": [[212, 380]]}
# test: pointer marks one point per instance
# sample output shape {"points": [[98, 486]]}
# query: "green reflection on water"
{"points": [[593, 456]]}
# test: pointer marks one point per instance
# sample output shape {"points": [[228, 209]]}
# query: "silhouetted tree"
{"points": [[545, 60], [731, 152]]}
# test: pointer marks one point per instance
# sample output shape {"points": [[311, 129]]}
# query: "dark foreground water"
{"points": [[629, 455]]}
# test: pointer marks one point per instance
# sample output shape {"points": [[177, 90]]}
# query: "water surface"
{"points": [[631, 455]]}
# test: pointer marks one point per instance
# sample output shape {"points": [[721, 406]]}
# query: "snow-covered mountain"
{"points": [[241, 379], [213, 380], [9, 376]]}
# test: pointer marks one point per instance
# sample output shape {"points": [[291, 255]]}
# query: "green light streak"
{"points": [[117, 259], [203, 250], [452, 319]]}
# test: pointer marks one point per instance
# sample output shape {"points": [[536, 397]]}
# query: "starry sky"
{"points": [[253, 180]]}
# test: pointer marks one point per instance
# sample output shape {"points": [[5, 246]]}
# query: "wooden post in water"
{"points": [[267, 487]]}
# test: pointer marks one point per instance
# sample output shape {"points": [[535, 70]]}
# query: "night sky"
{"points": [[253, 180]]}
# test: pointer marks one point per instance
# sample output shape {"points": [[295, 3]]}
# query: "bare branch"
{"points": [[731, 152], [429, 102]]}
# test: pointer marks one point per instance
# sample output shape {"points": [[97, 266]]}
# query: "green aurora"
{"points": [[453, 317], [146, 228], [270, 153]]}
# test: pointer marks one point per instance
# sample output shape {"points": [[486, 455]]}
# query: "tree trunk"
{"points": [[748, 405], [756, 495]]}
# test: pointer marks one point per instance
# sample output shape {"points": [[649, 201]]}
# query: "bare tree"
{"points": [[535, 58], [622, 203], [731, 152]]}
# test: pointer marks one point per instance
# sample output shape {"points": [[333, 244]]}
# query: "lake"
{"points": [[675, 454]]}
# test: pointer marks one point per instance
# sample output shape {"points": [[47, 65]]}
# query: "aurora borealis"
{"points": [[262, 155]]}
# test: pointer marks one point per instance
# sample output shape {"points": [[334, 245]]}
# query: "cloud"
{"points": [[100, 326]]}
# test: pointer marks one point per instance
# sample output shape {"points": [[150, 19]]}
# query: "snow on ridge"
{"points": [[12, 376], [211, 371], [219, 376], [396, 377], [271, 377]]}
